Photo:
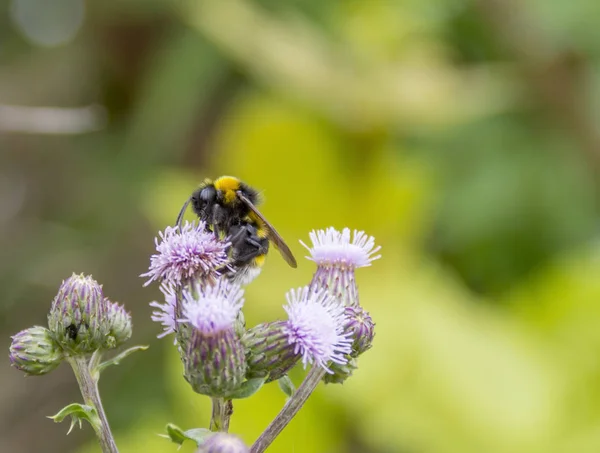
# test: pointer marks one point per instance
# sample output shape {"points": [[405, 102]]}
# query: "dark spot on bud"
{"points": [[71, 331]]}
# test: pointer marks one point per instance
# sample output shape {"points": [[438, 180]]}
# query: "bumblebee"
{"points": [[228, 207]]}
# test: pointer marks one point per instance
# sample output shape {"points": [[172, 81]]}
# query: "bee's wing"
{"points": [[272, 233]]}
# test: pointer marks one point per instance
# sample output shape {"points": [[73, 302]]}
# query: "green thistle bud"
{"points": [[341, 372], [119, 322], [77, 319], [34, 352], [269, 353]]}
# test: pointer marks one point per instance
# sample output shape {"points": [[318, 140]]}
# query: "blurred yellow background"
{"points": [[462, 134]]}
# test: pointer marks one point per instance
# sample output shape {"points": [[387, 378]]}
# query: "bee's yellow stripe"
{"points": [[229, 185], [260, 260]]}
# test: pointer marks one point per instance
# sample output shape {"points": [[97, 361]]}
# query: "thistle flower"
{"points": [[213, 357], [337, 256], [313, 333], [34, 351], [186, 254], [78, 318], [119, 322], [223, 443], [361, 329], [166, 312], [315, 327]]}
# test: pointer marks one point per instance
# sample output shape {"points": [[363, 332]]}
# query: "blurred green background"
{"points": [[462, 134]]}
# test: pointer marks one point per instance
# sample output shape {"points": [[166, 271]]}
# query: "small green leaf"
{"points": [[178, 436], [77, 412], [117, 359], [248, 388], [286, 385], [198, 435]]}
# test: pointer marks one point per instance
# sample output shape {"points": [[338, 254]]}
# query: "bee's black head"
{"points": [[202, 200]]}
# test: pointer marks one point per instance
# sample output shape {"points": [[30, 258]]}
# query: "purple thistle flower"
{"points": [[334, 248], [315, 327], [337, 255], [213, 308], [166, 312], [186, 254], [223, 443], [212, 353]]}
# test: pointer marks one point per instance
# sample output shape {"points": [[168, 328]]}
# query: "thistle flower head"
{"points": [[334, 248], [78, 319], [212, 308], [212, 353], [34, 352], [315, 327], [223, 443], [337, 255], [166, 311], [186, 253]]}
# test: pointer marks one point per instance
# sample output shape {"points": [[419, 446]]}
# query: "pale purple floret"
{"points": [[315, 327], [331, 247], [212, 308], [184, 254], [166, 311], [223, 443]]}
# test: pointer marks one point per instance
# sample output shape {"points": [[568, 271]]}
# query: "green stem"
{"points": [[88, 385], [221, 414], [290, 409]]}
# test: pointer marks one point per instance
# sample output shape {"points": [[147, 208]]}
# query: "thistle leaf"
{"points": [[77, 412], [117, 359], [179, 436], [248, 388], [286, 385]]}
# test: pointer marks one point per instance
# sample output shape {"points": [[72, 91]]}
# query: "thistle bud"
{"points": [[77, 319], [213, 356], [268, 351], [341, 372], [119, 322], [360, 328], [34, 352], [337, 257], [223, 443]]}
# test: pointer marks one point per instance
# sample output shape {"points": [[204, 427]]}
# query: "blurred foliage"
{"points": [[461, 134]]}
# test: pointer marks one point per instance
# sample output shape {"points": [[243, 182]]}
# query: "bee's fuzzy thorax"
{"points": [[228, 185]]}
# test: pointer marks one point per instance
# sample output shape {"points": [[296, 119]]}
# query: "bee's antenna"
{"points": [[182, 212]]}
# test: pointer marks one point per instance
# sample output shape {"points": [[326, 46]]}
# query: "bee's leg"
{"points": [[237, 235], [261, 244], [218, 214]]}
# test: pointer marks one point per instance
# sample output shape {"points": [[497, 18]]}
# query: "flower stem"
{"points": [[222, 410], [290, 409], [88, 385]]}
